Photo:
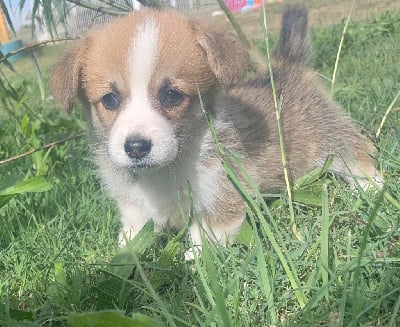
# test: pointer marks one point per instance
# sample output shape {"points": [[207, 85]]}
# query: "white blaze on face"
{"points": [[138, 117]]}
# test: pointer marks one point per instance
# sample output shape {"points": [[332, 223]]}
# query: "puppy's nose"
{"points": [[136, 147]]}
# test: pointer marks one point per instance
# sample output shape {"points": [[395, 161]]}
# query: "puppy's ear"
{"points": [[227, 56], [65, 78]]}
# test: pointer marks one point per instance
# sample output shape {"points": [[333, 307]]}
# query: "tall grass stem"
{"points": [[387, 112], [278, 111], [341, 46]]}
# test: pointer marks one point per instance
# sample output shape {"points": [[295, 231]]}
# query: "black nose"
{"points": [[136, 147]]}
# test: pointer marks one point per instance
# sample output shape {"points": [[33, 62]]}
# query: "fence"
{"points": [[188, 5], [80, 19]]}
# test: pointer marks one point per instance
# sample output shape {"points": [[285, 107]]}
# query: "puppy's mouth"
{"points": [[144, 168], [142, 165], [140, 155]]}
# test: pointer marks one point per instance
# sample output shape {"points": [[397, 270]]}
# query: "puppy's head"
{"points": [[140, 76]]}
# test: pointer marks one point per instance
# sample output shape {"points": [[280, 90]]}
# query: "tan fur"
{"points": [[190, 58]]}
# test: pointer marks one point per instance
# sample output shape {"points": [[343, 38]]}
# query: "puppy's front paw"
{"points": [[193, 252], [373, 183], [125, 235]]}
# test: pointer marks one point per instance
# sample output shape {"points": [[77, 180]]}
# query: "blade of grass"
{"points": [[33, 184], [7, 63], [44, 147], [263, 273], [123, 262], [153, 292], [386, 195], [379, 301], [39, 77], [165, 260], [235, 24], [387, 112], [4, 10], [203, 277], [346, 283], [46, 13], [31, 46], [395, 313], [341, 46], [324, 239], [278, 111], [357, 272], [234, 285], [212, 275], [110, 318]]}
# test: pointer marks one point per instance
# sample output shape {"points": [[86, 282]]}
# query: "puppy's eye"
{"points": [[111, 101], [171, 98]]}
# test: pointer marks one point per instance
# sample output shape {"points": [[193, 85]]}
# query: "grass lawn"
{"points": [[59, 259]]}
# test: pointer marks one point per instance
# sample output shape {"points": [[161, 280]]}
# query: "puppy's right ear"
{"points": [[65, 78]]}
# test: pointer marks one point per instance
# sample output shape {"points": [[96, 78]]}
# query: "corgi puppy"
{"points": [[140, 77]]}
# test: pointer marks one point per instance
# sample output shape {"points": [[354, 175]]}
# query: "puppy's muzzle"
{"points": [[137, 147]]}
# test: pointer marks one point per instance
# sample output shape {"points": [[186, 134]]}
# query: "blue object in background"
{"points": [[10, 47]]}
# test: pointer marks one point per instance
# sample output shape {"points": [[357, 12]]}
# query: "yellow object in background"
{"points": [[4, 37]]}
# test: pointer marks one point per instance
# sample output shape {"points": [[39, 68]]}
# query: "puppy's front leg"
{"points": [[132, 219], [223, 233]]}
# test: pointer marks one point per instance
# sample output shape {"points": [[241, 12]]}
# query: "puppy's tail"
{"points": [[293, 45]]}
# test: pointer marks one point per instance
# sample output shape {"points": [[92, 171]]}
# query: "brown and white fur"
{"points": [[140, 77]]}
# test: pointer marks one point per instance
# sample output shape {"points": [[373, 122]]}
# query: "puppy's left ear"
{"points": [[227, 56]]}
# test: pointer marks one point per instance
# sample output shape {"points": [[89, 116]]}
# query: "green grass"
{"points": [[59, 259]]}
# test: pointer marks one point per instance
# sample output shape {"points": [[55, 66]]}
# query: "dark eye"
{"points": [[111, 101], [171, 98]]}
